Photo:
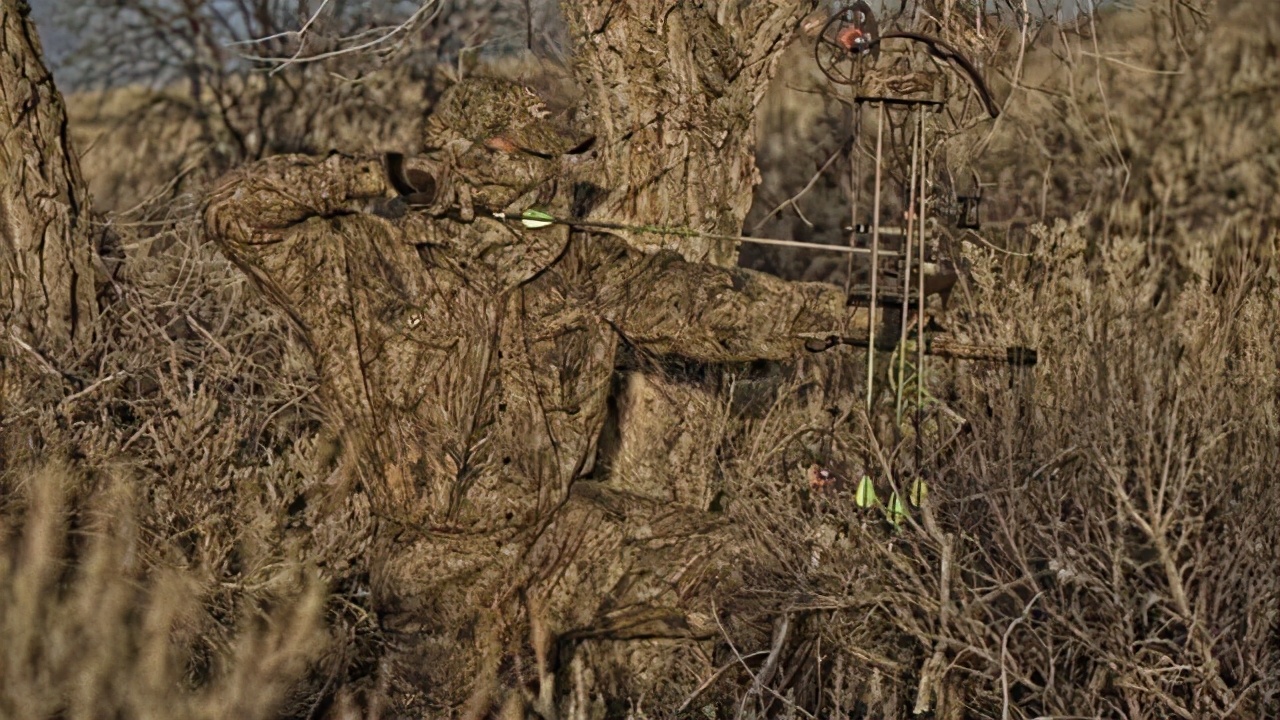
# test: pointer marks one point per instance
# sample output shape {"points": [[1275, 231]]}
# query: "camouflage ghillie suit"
{"points": [[469, 362]]}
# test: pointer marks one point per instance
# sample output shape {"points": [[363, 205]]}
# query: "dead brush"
{"points": [[142, 144], [93, 630], [200, 394], [1097, 543], [1099, 537]]}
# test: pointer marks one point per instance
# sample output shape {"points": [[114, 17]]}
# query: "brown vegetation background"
{"points": [[1100, 537]]}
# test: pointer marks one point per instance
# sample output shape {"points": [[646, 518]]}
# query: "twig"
{"points": [[716, 614], [205, 334], [40, 359], [287, 33], [808, 186], [771, 664], [997, 248], [715, 676], [92, 386], [1004, 653], [743, 661], [1130, 66], [386, 35]]}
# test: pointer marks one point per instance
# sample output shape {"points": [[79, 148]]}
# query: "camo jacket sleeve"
{"points": [[252, 205], [667, 305]]}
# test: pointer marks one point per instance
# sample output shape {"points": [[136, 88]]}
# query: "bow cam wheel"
{"points": [[848, 39]]}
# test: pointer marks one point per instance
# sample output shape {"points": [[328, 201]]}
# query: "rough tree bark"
{"points": [[673, 86], [47, 303]]}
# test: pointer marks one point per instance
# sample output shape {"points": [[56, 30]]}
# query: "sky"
{"points": [[57, 42], [54, 40]]}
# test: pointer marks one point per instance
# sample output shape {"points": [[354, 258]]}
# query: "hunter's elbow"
{"points": [[223, 217]]}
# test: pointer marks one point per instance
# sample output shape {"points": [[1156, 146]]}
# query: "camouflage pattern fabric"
{"points": [[469, 362]]}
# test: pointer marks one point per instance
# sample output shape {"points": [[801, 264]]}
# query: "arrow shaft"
{"points": [[689, 232]]}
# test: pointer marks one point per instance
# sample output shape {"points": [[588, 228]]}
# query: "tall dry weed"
{"points": [[93, 630], [202, 397]]}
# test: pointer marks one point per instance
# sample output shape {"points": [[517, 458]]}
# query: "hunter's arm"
{"points": [[667, 305], [258, 204]]}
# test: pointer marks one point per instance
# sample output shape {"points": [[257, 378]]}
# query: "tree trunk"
{"points": [[674, 86], [47, 302]]}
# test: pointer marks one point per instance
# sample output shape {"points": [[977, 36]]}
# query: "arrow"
{"points": [[534, 219]]}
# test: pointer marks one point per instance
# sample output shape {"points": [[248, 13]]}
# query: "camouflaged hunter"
{"points": [[469, 363]]}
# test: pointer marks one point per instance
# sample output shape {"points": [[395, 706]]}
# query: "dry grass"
{"points": [[95, 628], [1098, 539], [203, 399], [1100, 535]]}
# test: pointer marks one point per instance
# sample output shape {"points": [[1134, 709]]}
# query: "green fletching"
{"points": [[897, 510], [866, 495], [535, 219], [919, 492]]}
